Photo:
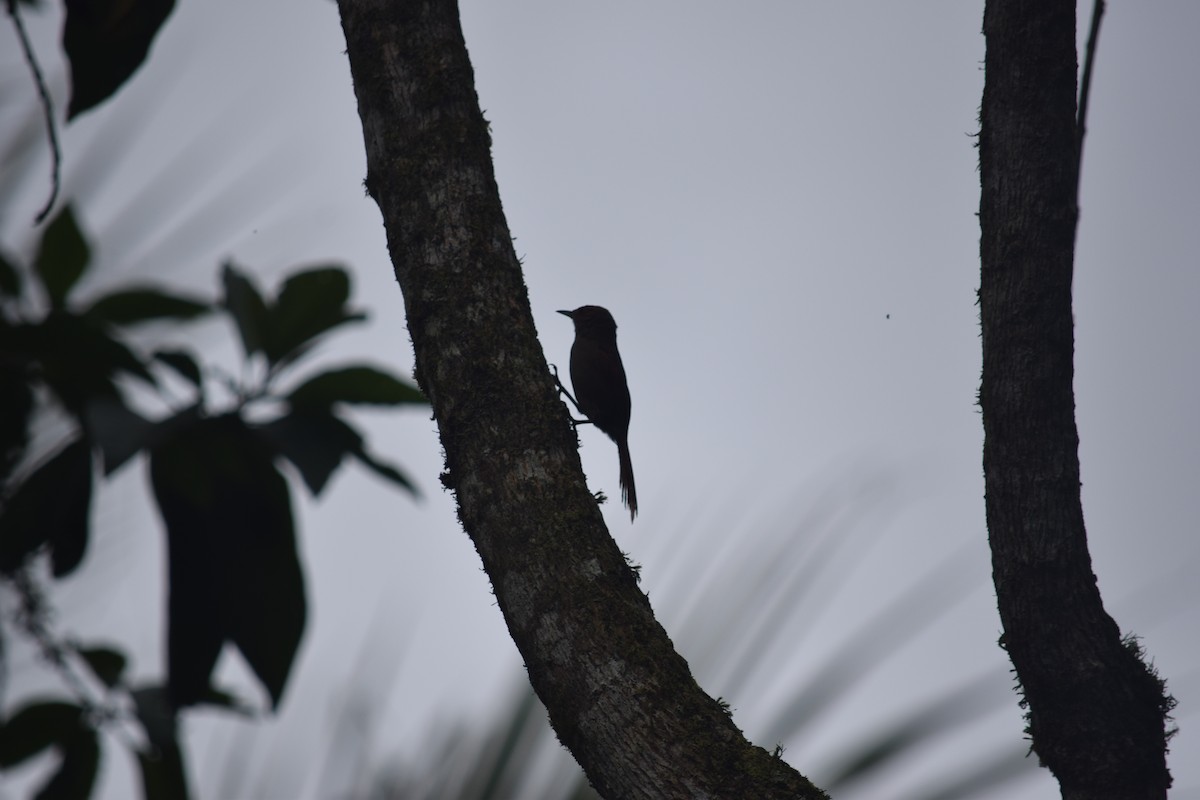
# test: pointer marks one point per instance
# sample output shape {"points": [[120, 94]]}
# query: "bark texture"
{"points": [[1097, 714], [619, 696]]}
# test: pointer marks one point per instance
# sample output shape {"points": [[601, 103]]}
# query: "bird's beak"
{"points": [[570, 314]]}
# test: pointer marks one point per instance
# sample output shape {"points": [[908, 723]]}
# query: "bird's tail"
{"points": [[628, 491]]}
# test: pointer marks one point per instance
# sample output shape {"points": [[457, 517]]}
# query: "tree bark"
{"points": [[619, 696], [1097, 714]]}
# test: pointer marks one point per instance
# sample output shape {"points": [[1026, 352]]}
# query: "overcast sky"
{"points": [[777, 203]]}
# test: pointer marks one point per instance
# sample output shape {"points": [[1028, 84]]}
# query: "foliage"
{"points": [[234, 574], [105, 42]]}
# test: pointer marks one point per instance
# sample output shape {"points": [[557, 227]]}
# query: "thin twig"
{"points": [[34, 618], [47, 109], [1085, 86]]}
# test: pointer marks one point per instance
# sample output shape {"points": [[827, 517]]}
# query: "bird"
{"points": [[601, 391]]}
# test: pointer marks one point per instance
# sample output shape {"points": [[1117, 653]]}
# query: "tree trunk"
{"points": [[1097, 714], [619, 697]]}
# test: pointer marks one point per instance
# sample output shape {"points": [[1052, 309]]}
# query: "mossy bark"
{"points": [[619, 696], [1096, 712]]}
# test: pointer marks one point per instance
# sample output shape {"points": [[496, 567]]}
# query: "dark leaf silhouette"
{"points": [[62, 257], [245, 303], [182, 362], [36, 727], [310, 303], [119, 431], [316, 441], [384, 470], [76, 773], [234, 575], [76, 358], [50, 507], [106, 663], [39, 726], [106, 41], [359, 384], [16, 406], [232, 563], [10, 278], [141, 304]]}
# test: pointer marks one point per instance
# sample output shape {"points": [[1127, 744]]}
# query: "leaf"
{"points": [[196, 630], [268, 606], [119, 431], [356, 384], [76, 773], [77, 359], [68, 542], [315, 441], [131, 306], [325, 286], [245, 304], [106, 663], [36, 727], [10, 278], [50, 507], [183, 363], [234, 574], [62, 257], [386, 471], [310, 303], [16, 406], [106, 41]]}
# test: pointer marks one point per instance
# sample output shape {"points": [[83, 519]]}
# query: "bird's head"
{"points": [[592, 320]]}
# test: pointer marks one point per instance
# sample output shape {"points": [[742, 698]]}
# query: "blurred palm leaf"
{"points": [[733, 627]]}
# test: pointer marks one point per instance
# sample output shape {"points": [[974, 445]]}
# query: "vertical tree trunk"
{"points": [[1096, 712], [618, 695]]}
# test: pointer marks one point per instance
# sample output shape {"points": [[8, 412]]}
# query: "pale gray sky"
{"points": [[777, 202]]}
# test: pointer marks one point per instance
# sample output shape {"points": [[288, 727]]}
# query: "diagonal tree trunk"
{"points": [[1096, 712], [619, 696]]}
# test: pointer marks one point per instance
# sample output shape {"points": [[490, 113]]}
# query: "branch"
{"points": [[1096, 711], [619, 696], [1085, 89], [47, 109]]}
